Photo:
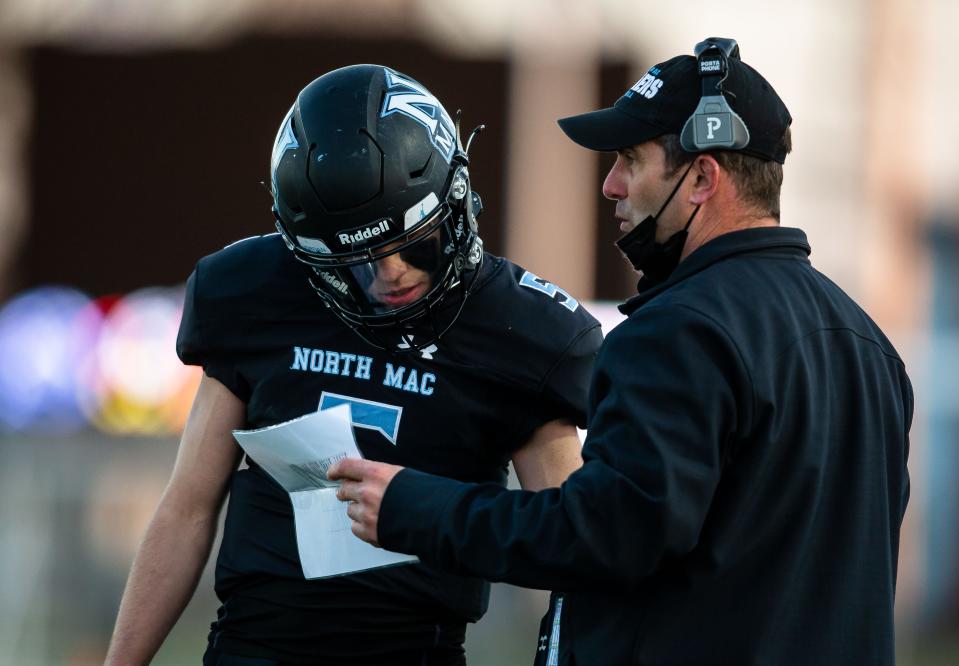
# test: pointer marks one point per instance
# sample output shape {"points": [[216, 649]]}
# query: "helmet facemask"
{"points": [[406, 291]]}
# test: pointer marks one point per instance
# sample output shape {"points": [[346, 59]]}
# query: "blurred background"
{"points": [[134, 137]]}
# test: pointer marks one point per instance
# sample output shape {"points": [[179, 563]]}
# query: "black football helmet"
{"points": [[371, 192]]}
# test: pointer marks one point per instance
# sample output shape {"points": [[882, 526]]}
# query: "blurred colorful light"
{"points": [[143, 387], [67, 361], [41, 350]]}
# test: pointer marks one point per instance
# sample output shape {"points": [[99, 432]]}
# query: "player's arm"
{"points": [[177, 542], [551, 454]]}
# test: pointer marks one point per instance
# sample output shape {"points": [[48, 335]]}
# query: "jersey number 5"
{"points": [[550, 289]]}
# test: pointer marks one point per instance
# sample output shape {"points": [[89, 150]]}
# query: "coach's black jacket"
{"points": [[744, 480]]}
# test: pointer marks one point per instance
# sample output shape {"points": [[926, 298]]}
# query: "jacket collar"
{"points": [[792, 241]]}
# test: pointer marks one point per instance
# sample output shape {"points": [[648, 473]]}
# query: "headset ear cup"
{"points": [[714, 115], [687, 139]]}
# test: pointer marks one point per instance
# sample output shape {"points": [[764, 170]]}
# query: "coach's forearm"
{"points": [[164, 575]]}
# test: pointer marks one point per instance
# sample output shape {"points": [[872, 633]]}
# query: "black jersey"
{"points": [[520, 355]]}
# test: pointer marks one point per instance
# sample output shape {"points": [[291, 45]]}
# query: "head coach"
{"points": [[745, 465]]}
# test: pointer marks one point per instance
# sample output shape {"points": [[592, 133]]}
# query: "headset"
{"points": [[714, 124]]}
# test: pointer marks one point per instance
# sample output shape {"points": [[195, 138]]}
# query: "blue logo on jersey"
{"points": [[550, 289], [414, 101], [377, 416]]}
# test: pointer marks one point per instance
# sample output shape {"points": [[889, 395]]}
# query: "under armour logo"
{"points": [[425, 352], [712, 123], [542, 643]]}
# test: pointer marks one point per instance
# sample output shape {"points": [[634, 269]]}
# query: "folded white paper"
{"points": [[297, 454]]}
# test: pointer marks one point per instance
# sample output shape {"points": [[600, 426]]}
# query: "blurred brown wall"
{"points": [[142, 163]]}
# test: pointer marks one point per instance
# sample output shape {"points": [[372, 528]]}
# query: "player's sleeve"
{"points": [[563, 391], [667, 396], [909, 402], [204, 340]]}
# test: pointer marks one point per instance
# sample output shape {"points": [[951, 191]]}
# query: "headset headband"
{"points": [[714, 124]]}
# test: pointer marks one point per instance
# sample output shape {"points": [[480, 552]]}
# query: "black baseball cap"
{"points": [[667, 95]]}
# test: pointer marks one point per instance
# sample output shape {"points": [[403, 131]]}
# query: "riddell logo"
{"points": [[334, 282], [350, 237]]}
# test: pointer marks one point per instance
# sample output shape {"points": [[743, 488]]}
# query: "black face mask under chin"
{"points": [[657, 261]]}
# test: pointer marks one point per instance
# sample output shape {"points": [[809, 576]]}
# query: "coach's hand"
{"points": [[363, 485]]}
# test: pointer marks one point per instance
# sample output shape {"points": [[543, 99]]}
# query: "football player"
{"points": [[375, 292]]}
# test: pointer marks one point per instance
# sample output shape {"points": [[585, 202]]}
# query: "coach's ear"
{"points": [[707, 176]]}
